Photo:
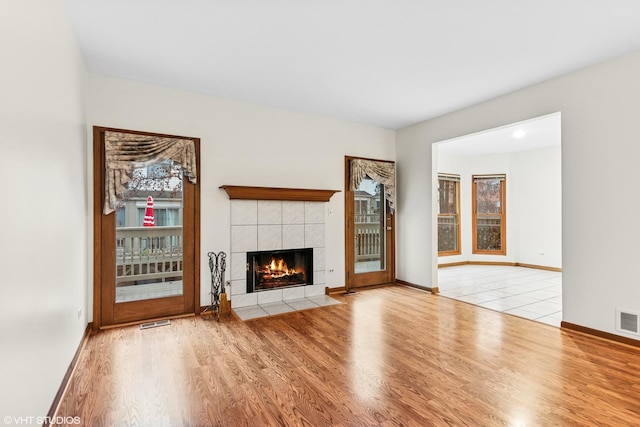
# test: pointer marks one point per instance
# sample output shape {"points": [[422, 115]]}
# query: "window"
{"points": [[163, 217], [448, 215], [489, 214], [120, 217]]}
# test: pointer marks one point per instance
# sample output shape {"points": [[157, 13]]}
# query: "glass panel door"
{"points": [[369, 234], [369, 224], [149, 260], [146, 257]]}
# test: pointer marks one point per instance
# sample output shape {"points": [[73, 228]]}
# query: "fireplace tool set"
{"points": [[219, 302]]}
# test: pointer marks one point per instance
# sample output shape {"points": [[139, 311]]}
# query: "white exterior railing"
{"points": [[368, 241], [148, 253]]}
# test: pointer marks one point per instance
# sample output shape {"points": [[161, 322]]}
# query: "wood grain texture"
{"points": [[388, 356], [273, 193], [225, 305]]}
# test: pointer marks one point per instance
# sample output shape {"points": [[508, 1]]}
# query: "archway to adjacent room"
{"points": [[498, 218]]}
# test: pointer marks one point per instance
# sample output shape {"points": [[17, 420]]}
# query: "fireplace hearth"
{"points": [[267, 270]]}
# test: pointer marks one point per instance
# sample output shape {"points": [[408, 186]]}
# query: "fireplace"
{"points": [[267, 270], [281, 219]]}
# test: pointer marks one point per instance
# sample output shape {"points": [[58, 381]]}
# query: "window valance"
{"points": [[125, 152], [382, 172]]}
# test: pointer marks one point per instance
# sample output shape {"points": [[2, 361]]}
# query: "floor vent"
{"points": [[627, 321], [155, 324]]}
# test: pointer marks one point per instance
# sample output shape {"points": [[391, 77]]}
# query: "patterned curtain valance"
{"points": [[125, 152], [382, 172]]}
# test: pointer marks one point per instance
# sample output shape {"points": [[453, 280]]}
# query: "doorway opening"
{"points": [[521, 275]]}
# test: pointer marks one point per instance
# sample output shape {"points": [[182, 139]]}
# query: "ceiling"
{"points": [[380, 62], [533, 134]]}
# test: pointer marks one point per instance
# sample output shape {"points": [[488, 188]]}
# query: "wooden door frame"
{"points": [[98, 223], [350, 276]]}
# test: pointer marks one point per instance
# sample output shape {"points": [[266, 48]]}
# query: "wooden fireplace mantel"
{"points": [[272, 193]]}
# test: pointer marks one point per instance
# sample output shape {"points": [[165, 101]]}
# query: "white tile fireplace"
{"points": [[260, 225]]}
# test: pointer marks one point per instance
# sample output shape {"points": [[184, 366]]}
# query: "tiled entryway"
{"points": [[271, 309], [524, 292]]}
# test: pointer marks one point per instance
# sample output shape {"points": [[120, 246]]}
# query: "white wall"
{"points": [[533, 200], [537, 194], [466, 167], [44, 239], [245, 144], [600, 111]]}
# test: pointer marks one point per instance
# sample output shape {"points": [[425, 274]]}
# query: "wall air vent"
{"points": [[627, 321]]}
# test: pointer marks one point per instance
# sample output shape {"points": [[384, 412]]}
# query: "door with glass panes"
{"points": [[369, 233], [146, 256]]}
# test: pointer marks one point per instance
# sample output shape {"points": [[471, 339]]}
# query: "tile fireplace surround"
{"points": [[261, 225]]}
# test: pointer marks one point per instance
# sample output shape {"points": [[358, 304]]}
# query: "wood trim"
{"points": [[370, 159], [349, 256], [600, 334], [367, 287], [362, 280], [98, 200], [510, 264], [102, 227], [539, 267], [197, 231], [67, 376], [413, 285], [274, 193], [154, 319], [328, 290], [454, 264], [131, 311], [458, 251], [503, 219]]}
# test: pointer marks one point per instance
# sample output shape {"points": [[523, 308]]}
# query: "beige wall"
{"points": [[44, 213], [533, 201], [245, 144], [600, 111]]}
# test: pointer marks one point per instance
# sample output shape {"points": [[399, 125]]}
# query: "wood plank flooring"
{"points": [[388, 357]]}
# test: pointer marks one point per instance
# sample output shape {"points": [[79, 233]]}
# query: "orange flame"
{"points": [[278, 268]]}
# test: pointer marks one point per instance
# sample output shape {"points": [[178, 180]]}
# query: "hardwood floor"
{"points": [[388, 356]]}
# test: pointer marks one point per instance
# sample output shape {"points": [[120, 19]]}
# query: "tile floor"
{"points": [[524, 292], [271, 309]]}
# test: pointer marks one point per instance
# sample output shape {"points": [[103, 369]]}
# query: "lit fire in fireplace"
{"points": [[279, 269], [276, 270], [277, 273]]}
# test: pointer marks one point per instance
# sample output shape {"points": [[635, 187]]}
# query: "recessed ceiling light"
{"points": [[519, 134]]}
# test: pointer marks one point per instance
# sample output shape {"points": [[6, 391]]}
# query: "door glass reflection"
{"points": [[369, 225]]}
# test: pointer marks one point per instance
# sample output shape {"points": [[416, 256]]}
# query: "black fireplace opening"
{"points": [[279, 269]]}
